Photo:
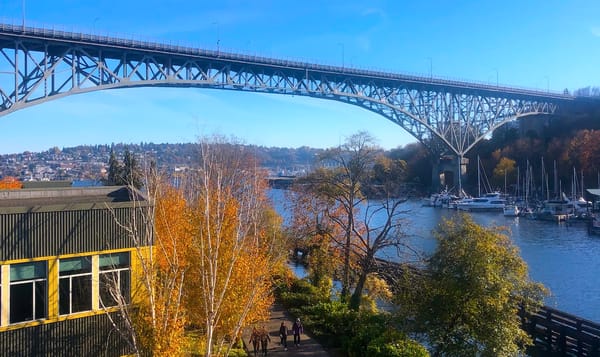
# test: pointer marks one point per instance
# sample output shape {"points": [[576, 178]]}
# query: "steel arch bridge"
{"points": [[37, 65]]}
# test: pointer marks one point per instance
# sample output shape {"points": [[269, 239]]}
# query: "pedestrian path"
{"points": [[308, 345]]}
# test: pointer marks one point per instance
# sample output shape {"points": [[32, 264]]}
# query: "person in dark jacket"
{"points": [[264, 340], [297, 329], [283, 335], [255, 340]]}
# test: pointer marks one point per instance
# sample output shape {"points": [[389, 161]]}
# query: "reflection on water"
{"points": [[565, 258]]}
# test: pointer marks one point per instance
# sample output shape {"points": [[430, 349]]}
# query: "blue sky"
{"points": [[535, 44]]}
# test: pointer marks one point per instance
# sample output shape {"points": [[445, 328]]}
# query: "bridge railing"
{"points": [[555, 331], [21, 30]]}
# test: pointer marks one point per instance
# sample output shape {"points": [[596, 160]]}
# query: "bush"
{"points": [[299, 295], [332, 321], [335, 325], [367, 327], [395, 344]]}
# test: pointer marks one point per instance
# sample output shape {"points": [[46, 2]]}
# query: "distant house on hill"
{"points": [[59, 248]]}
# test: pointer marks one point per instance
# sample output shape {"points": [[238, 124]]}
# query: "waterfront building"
{"points": [[61, 249]]}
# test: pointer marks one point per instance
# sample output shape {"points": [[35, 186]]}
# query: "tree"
{"points": [[235, 244], [472, 290], [131, 173], [128, 173], [114, 170], [505, 171], [155, 316], [342, 185], [372, 237], [215, 246], [367, 226], [313, 232], [10, 183]]}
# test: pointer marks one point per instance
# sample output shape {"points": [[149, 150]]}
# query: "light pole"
{"points": [[342, 44], [218, 37], [497, 83], [547, 84], [23, 12], [430, 67], [95, 20]]}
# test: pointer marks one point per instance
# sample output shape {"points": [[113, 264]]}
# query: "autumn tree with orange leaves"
{"points": [[10, 183], [216, 244], [155, 317]]}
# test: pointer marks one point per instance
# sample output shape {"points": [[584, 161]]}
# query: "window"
{"points": [[28, 291], [74, 285], [114, 272]]}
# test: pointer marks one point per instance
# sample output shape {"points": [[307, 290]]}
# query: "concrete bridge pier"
{"points": [[447, 173]]}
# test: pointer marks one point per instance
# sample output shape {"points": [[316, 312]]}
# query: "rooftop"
{"points": [[67, 198]]}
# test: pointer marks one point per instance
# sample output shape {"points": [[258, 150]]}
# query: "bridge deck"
{"points": [[35, 33]]}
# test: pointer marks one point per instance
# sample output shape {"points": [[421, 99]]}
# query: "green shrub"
{"points": [[332, 322], [299, 295], [367, 327], [395, 344], [335, 325], [237, 352]]}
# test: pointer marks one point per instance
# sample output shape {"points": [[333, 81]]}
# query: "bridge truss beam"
{"points": [[37, 65]]}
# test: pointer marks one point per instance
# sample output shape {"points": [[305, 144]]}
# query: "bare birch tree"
{"points": [[235, 240], [153, 313], [206, 250]]}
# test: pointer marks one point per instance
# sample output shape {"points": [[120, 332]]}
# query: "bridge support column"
{"points": [[448, 173]]}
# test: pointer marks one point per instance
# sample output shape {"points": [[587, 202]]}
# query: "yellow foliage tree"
{"points": [[155, 317], [161, 319], [235, 245]]}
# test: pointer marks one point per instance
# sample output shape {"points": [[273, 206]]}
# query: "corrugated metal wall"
{"points": [[38, 234], [88, 336]]}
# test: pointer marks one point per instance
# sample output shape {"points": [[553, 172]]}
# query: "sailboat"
{"points": [[510, 208], [581, 207], [558, 209]]}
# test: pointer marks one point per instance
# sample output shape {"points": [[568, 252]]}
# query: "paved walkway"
{"points": [[308, 345]]}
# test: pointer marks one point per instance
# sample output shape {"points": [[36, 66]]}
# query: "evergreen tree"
{"points": [[127, 173], [132, 173], [114, 170]]}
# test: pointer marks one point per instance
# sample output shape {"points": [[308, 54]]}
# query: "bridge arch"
{"points": [[447, 116]]}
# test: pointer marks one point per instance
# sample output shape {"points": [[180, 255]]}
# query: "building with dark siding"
{"points": [[60, 251]]}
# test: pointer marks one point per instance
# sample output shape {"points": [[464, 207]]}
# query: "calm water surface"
{"points": [[565, 258]]}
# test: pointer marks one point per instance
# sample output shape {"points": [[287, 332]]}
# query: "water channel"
{"points": [[564, 257]]}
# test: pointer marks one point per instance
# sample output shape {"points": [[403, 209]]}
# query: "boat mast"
{"points": [[460, 160], [582, 192], [556, 187], [478, 178]]}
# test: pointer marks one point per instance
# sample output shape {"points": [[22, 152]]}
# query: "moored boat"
{"points": [[555, 210], [443, 199], [489, 202]]}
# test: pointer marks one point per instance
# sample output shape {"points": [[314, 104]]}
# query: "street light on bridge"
{"points": [[218, 37], [23, 12], [430, 67], [497, 83], [342, 44]]}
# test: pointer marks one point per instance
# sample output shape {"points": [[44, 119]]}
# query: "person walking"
{"points": [[297, 329], [255, 340], [264, 340], [283, 335]]}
